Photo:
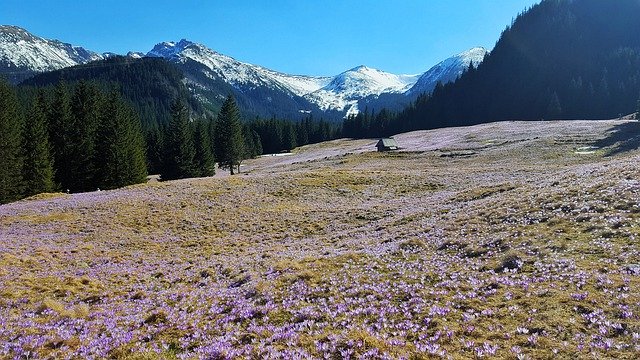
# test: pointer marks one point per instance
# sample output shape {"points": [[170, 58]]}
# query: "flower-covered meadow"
{"points": [[497, 241]]}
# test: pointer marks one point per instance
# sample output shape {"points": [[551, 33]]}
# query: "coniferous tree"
{"points": [[204, 160], [179, 148], [38, 164], [253, 146], [288, 137], [11, 182], [154, 141], [302, 133], [120, 144], [82, 137], [229, 139], [60, 121]]}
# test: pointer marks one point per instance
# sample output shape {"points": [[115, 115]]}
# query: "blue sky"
{"points": [[314, 37]]}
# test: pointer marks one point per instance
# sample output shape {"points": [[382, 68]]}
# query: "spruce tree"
{"points": [[60, 122], [11, 182], [136, 149], [179, 159], [82, 137], [38, 164], [554, 109], [120, 145], [229, 139], [204, 157]]}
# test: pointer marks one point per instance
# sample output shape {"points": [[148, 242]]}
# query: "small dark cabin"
{"points": [[387, 144]]}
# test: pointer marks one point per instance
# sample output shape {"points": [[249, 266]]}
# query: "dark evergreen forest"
{"points": [[68, 138]]}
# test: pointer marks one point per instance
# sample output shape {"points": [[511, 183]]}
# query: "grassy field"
{"points": [[509, 240]]}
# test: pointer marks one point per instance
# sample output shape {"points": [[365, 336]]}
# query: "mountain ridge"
{"points": [[211, 75]]}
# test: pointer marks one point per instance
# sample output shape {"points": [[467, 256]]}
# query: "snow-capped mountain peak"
{"points": [[346, 89], [363, 80], [135, 55], [340, 93], [170, 49], [23, 54], [448, 70]]}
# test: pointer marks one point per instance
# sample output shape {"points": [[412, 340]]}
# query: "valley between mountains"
{"points": [[504, 240]]}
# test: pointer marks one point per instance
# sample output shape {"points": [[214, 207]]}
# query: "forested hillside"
{"points": [[150, 84]]}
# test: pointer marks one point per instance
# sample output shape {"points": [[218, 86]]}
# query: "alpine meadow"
{"points": [[180, 203]]}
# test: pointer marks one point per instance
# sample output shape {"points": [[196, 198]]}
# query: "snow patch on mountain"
{"points": [[135, 55]]}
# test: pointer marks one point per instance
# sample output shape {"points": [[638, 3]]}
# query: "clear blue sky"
{"points": [[314, 37]]}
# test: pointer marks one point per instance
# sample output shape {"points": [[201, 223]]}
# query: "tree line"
{"points": [[188, 147], [83, 136]]}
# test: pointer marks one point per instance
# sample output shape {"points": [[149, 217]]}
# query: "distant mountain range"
{"points": [[210, 76]]}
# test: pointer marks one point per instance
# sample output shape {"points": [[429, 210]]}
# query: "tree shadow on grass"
{"points": [[621, 138]]}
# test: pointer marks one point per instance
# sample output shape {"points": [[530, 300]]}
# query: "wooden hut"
{"points": [[387, 144]]}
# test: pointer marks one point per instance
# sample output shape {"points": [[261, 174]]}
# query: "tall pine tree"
{"points": [[253, 144], [38, 164], [179, 159], [229, 139], [11, 183]]}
